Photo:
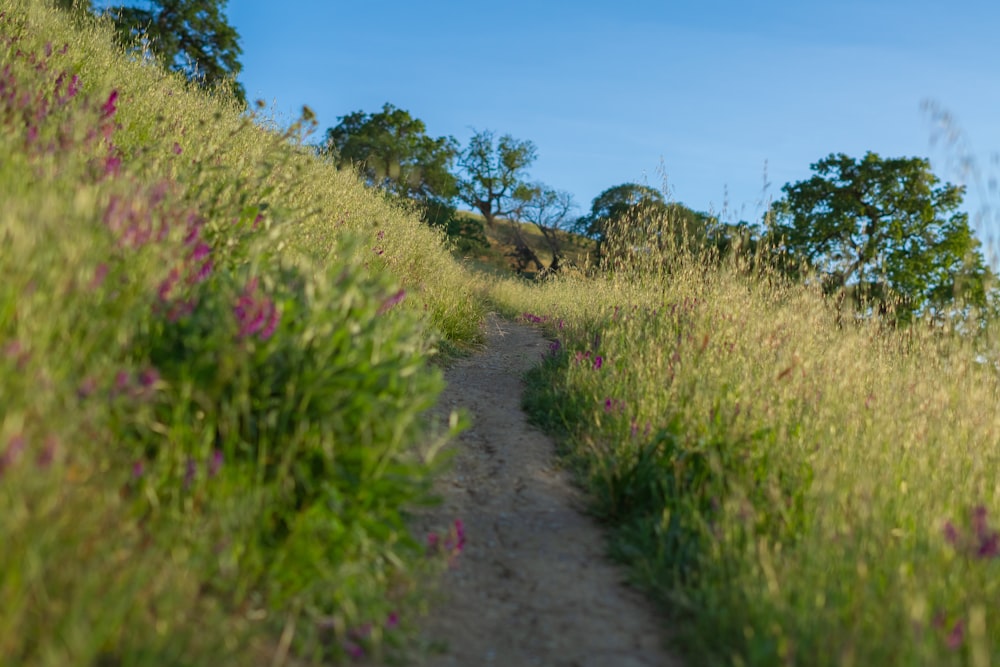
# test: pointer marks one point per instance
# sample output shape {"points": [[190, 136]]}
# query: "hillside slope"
{"points": [[214, 372]]}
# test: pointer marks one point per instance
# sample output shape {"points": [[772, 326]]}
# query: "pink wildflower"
{"points": [[109, 108], [956, 636], [392, 301]]}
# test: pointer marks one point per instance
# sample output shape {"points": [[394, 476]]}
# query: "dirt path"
{"points": [[533, 586]]}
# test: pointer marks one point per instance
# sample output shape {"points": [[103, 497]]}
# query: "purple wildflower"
{"points": [[87, 387], [598, 362], [138, 469], [100, 273], [608, 404], [271, 325], [48, 453], [459, 535], [203, 272], [989, 546], [201, 251], [554, 347], [392, 301], [194, 231], [956, 636], [122, 382], [215, 463], [112, 165], [16, 353], [12, 452], [109, 108], [354, 650], [392, 621], [255, 313], [950, 533], [149, 377], [177, 148]]}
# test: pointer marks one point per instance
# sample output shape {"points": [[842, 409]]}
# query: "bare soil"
{"points": [[533, 585]]}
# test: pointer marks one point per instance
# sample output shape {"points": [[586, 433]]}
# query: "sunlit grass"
{"points": [[214, 378], [214, 373], [796, 491]]}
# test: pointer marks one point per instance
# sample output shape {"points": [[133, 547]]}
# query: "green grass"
{"points": [[793, 492], [579, 252], [214, 373], [217, 355]]}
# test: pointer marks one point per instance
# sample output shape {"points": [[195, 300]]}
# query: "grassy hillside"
{"points": [[579, 252], [213, 373], [215, 367], [793, 491]]}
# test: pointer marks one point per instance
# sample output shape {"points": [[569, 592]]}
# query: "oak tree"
{"points": [[885, 233], [193, 37], [394, 152]]}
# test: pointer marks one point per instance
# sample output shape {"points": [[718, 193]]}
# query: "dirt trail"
{"points": [[533, 586]]}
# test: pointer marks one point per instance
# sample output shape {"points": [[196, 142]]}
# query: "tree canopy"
{"points": [[193, 37], [494, 175], [395, 152], [884, 232], [631, 214], [549, 210]]}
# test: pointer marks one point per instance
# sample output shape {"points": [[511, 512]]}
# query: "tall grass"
{"points": [[797, 491], [214, 373]]}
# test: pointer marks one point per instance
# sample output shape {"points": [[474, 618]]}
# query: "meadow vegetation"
{"points": [[794, 486], [217, 359], [215, 372]]}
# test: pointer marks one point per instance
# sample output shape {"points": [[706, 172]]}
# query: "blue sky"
{"points": [[610, 91]]}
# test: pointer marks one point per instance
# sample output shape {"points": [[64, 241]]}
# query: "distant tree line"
{"points": [[883, 236]]}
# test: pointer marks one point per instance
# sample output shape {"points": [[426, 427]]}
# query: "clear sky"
{"points": [[712, 90]]}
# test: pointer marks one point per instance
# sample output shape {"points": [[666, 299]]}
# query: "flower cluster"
{"points": [[450, 545], [392, 301], [358, 637], [256, 313], [980, 541], [12, 453], [596, 362], [532, 318]]}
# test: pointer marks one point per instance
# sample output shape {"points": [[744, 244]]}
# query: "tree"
{"points": [[189, 36], [74, 5], [394, 152], [630, 214], [882, 232], [617, 203], [494, 182], [549, 210]]}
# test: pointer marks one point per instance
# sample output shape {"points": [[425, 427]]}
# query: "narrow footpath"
{"points": [[533, 585]]}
